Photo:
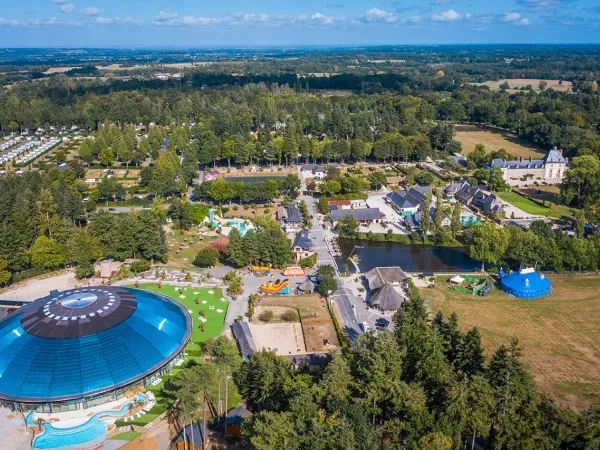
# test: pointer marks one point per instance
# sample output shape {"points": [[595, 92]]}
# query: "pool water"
{"points": [[93, 429], [241, 226]]}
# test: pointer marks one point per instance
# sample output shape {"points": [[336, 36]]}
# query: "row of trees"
{"points": [[221, 191], [424, 386], [538, 246]]}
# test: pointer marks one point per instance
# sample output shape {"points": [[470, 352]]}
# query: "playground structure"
{"points": [[474, 285], [279, 287], [259, 271]]}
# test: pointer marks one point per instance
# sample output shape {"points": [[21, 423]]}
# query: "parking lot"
{"points": [[393, 220]]}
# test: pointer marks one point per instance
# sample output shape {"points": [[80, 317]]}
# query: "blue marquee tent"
{"points": [[526, 283]]}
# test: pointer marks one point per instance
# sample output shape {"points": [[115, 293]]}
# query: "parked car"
{"points": [[382, 323], [365, 327], [112, 209]]}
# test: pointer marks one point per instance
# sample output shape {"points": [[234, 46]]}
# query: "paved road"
{"points": [[344, 299]]}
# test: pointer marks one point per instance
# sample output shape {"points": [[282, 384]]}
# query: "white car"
{"points": [[365, 327]]}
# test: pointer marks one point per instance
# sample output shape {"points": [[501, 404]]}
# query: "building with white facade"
{"points": [[551, 169]]}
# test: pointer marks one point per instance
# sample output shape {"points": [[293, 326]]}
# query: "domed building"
{"points": [[81, 348]]}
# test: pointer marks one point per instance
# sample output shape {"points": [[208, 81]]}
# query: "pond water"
{"points": [[410, 258], [254, 179]]}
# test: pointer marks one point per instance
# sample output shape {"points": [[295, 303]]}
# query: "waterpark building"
{"points": [[80, 348]]}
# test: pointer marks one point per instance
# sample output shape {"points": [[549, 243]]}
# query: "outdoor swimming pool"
{"points": [[95, 428]]}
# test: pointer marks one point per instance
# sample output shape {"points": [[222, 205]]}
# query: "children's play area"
{"points": [[471, 285]]}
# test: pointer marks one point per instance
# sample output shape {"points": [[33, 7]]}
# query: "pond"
{"points": [[254, 179], [410, 258]]}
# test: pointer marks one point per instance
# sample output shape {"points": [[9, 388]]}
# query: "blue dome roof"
{"points": [[525, 284], [83, 342]]}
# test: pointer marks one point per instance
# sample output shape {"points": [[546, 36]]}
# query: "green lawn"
{"points": [[533, 208], [213, 327], [215, 320], [126, 436]]}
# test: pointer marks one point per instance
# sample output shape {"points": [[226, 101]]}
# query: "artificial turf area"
{"points": [[126, 436], [215, 320], [213, 327], [560, 333]]}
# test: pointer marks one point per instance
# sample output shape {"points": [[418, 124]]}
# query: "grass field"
{"points": [[527, 205], [126, 436], [183, 248], [495, 140], [560, 333], [215, 320]]}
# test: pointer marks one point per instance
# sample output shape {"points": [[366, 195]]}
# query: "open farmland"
{"points": [[495, 140], [560, 334], [517, 83]]}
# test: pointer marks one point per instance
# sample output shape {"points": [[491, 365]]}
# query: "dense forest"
{"points": [[426, 386]]}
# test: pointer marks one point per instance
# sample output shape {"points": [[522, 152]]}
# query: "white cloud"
{"points": [[446, 16], [116, 19], [441, 2], [59, 2], [91, 11], [512, 17], [8, 22], [325, 20], [67, 8], [374, 15], [468, 16], [524, 21]]}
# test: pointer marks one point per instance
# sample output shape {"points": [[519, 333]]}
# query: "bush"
{"points": [[140, 265], [311, 261], [289, 316], [266, 316], [207, 257]]}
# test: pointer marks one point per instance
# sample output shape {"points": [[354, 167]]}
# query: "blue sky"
{"points": [[193, 23]]}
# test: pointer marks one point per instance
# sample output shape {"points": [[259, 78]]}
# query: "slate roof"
{"points": [[524, 164], [237, 415], [198, 441], [302, 240], [388, 298], [243, 336], [453, 188], [554, 156], [359, 214], [380, 276], [400, 200], [312, 168], [293, 215]]}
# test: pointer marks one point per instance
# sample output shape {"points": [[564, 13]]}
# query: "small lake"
{"points": [[410, 258], [254, 179]]}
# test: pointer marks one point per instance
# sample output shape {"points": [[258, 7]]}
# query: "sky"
{"points": [[238, 23]]}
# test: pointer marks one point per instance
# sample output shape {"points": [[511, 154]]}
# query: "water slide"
{"points": [[282, 287]]}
